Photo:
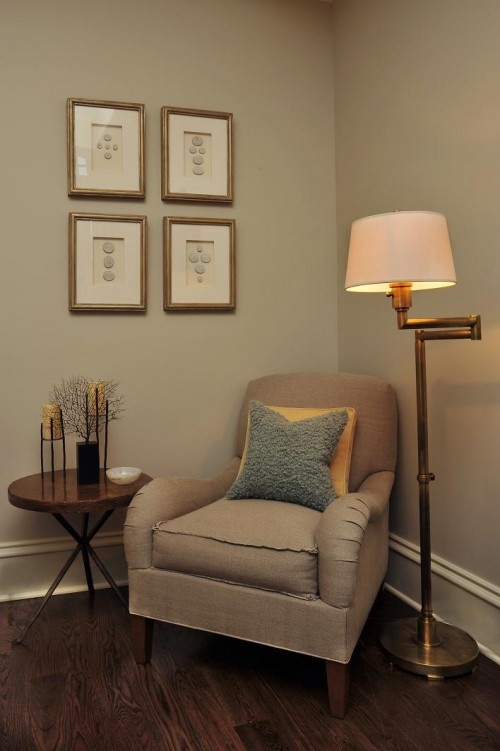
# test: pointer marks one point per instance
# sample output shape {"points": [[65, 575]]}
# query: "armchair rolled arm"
{"points": [[166, 498], [340, 535]]}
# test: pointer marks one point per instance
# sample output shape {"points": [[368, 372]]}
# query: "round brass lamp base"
{"points": [[455, 655]]}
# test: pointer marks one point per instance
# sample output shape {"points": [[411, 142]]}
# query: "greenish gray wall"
{"points": [[417, 126], [268, 62]]}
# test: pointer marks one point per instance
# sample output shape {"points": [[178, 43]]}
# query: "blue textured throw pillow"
{"points": [[289, 461]]}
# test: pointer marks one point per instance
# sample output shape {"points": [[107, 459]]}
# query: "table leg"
{"points": [[50, 591], [104, 571], [84, 547], [85, 554], [87, 550]]}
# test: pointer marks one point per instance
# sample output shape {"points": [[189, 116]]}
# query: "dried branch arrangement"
{"points": [[82, 410]]}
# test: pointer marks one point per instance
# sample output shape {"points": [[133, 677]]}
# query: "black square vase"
{"points": [[87, 462]]}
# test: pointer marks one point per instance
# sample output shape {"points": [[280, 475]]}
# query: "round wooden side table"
{"points": [[61, 494]]}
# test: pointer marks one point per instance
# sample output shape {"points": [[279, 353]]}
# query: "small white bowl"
{"points": [[123, 475]]}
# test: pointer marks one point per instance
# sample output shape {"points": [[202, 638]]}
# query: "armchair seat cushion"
{"points": [[257, 543]]}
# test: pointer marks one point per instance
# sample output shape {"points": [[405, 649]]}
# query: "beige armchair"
{"points": [[267, 571]]}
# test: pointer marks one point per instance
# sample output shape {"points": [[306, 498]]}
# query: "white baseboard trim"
{"points": [[55, 545], [459, 597], [28, 567]]}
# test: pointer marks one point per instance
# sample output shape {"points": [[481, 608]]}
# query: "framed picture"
{"points": [[105, 148], [196, 155], [199, 264], [107, 262]]}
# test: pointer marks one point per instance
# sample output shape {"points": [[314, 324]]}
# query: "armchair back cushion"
{"points": [[374, 447]]}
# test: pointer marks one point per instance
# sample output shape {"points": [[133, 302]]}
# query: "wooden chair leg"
{"points": [[142, 638], [337, 678]]}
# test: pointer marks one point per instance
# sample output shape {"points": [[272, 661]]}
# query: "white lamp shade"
{"points": [[403, 246]]}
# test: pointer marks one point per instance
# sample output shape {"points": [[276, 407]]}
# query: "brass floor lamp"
{"points": [[396, 253]]}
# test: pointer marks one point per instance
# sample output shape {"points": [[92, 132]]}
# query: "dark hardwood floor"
{"points": [[74, 686]]}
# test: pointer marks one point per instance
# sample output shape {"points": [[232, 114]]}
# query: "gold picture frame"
{"points": [[197, 159], [199, 264], [105, 142], [107, 262]]}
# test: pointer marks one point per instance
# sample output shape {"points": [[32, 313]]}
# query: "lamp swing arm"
{"points": [[462, 327], [465, 327]]}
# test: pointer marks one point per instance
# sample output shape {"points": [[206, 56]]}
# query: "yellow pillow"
{"points": [[341, 460]]}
